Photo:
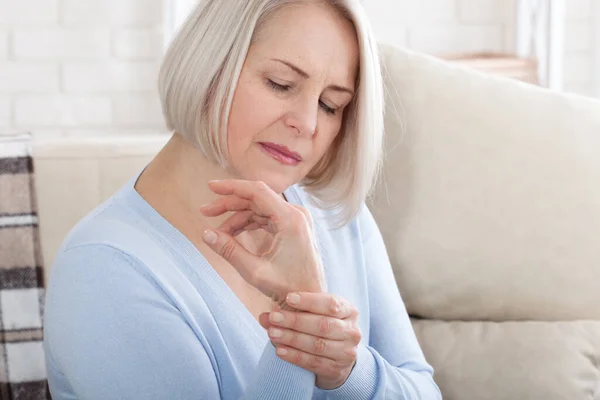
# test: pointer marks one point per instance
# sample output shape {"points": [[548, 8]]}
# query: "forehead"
{"points": [[314, 36]]}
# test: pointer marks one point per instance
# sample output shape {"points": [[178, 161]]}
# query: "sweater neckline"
{"points": [[195, 258]]}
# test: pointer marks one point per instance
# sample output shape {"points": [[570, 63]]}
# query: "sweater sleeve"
{"points": [[110, 333], [392, 365]]}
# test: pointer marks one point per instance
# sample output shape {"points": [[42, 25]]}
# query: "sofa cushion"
{"points": [[513, 360], [490, 206]]}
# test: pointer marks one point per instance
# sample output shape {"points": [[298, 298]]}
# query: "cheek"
{"points": [[249, 114], [328, 137], [238, 117]]}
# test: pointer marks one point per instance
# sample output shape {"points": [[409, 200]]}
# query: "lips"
{"points": [[281, 153], [283, 150]]}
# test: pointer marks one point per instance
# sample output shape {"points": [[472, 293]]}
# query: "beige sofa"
{"points": [[490, 208]]}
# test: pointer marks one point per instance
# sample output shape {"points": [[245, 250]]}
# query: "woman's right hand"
{"points": [[291, 264]]}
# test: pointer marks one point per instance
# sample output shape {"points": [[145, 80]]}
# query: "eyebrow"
{"points": [[305, 76]]}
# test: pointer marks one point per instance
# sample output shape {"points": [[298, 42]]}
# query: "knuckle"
{"points": [[355, 335], [295, 224], [300, 213], [261, 186], [255, 278], [258, 277], [315, 362], [320, 346], [334, 305], [324, 325], [352, 352], [305, 213], [228, 249], [297, 358], [293, 340], [294, 321]]}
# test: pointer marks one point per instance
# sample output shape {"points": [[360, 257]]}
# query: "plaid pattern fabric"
{"points": [[22, 367]]}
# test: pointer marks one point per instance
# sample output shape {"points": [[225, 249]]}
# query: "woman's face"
{"points": [[288, 106]]}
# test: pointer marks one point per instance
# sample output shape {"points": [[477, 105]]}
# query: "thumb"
{"points": [[233, 252], [263, 319]]}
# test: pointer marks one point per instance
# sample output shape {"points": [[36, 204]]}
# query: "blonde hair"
{"points": [[200, 72]]}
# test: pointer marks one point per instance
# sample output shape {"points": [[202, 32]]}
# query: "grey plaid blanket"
{"points": [[22, 368]]}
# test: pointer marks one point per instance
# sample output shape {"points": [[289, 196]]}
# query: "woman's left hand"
{"points": [[321, 335]]}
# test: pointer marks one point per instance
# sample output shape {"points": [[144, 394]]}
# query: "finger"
{"points": [[225, 204], [267, 203], [314, 324], [252, 227], [237, 222], [333, 349], [263, 320], [242, 220], [306, 214], [323, 304], [230, 203], [320, 366], [246, 263]]}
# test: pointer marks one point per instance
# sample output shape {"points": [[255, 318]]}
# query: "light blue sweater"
{"points": [[134, 311]]}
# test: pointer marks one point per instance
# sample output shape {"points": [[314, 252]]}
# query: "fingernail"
{"points": [[276, 317], [214, 181], [276, 333], [210, 237], [281, 352], [293, 298]]}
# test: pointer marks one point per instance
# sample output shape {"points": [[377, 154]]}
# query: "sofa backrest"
{"points": [[490, 200]]}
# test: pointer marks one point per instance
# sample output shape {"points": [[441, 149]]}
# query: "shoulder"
{"points": [[108, 259], [116, 226], [95, 252], [362, 224], [110, 241]]}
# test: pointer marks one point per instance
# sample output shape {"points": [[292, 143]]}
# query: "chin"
{"points": [[277, 181]]}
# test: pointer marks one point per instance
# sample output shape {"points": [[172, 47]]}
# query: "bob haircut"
{"points": [[199, 75]]}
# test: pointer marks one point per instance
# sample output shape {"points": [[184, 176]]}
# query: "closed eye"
{"points": [[277, 87], [328, 110], [284, 88]]}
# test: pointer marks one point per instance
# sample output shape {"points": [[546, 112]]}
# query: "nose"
{"points": [[303, 116]]}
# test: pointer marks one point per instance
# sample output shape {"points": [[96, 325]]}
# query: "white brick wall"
{"points": [[70, 111], [132, 44], [441, 26], [72, 67], [4, 45], [578, 38], [491, 12], [5, 112], [137, 111], [110, 76], [126, 13], [27, 77], [451, 39], [20, 13], [580, 47], [457, 26], [579, 9], [86, 67], [60, 44]]}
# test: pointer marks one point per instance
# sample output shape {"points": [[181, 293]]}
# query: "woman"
{"points": [[242, 263]]}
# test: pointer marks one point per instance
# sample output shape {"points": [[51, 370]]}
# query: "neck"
{"points": [[175, 184], [177, 179]]}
